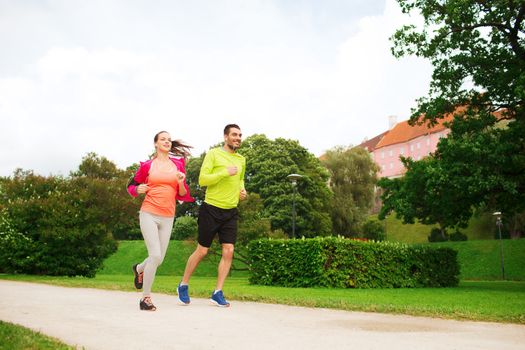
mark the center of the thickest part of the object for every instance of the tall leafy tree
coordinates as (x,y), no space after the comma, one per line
(426,193)
(269,162)
(477,48)
(353,175)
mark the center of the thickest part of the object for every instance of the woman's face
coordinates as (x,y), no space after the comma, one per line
(163,143)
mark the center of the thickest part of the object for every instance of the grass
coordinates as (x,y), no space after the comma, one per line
(18,337)
(480,260)
(498,301)
(130,252)
(480,227)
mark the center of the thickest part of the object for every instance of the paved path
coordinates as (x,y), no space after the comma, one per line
(99,319)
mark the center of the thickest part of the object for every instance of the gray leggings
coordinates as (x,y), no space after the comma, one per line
(156,231)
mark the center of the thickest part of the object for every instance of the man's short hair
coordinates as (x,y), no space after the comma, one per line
(229,126)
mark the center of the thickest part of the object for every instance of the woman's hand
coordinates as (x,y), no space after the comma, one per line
(180,177)
(142,188)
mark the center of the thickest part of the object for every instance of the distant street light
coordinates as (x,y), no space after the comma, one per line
(499,223)
(293,179)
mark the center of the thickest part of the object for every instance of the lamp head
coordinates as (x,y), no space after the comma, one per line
(293,178)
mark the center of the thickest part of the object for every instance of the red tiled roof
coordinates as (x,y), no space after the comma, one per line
(403,132)
(371,144)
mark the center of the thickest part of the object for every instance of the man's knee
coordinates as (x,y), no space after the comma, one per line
(201,251)
(227,251)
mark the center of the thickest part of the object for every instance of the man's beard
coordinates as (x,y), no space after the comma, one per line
(232,147)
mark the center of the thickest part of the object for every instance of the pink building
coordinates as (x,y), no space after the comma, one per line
(404,140)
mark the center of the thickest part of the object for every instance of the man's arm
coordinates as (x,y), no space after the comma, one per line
(206,177)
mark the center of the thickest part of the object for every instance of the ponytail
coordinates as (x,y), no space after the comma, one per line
(180,149)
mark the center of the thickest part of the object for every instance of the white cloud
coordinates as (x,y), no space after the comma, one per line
(252,63)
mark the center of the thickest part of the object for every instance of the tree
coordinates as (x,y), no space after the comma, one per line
(269,162)
(352,180)
(426,193)
(54,225)
(477,48)
(374,229)
(97,167)
(107,199)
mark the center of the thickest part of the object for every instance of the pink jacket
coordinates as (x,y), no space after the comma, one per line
(141,176)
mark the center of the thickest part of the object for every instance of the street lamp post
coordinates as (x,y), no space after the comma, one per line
(293,179)
(499,223)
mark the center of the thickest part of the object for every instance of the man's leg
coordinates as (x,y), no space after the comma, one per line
(193,261)
(225,264)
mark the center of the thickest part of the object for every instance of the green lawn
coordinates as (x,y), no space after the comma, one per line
(131,252)
(480,260)
(480,227)
(17,337)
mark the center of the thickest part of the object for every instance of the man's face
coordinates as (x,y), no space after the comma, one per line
(233,139)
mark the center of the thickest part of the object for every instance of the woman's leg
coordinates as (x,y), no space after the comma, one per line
(149,225)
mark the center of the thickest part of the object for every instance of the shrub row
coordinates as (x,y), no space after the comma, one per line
(344,263)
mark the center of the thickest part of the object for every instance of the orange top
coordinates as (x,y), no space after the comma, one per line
(163,187)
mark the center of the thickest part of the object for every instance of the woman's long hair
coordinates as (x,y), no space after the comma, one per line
(180,149)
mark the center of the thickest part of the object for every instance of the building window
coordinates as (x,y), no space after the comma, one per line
(383,155)
(402,150)
(383,167)
(411,147)
(391,165)
(390,153)
(418,145)
(428,141)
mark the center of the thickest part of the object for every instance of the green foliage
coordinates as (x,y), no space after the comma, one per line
(343,263)
(427,193)
(437,235)
(477,50)
(97,167)
(478,53)
(185,227)
(374,230)
(352,180)
(269,162)
(458,236)
(64,226)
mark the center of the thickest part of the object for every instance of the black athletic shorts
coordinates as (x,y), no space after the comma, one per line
(213,220)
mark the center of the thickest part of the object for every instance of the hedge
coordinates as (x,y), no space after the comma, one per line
(344,263)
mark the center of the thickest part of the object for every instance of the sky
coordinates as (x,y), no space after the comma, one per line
(104,76)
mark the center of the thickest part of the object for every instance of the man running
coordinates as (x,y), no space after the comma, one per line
(222,172)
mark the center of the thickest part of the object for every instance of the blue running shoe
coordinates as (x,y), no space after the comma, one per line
(218,299)
(184,297)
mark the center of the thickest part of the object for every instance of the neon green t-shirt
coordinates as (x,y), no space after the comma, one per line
(222,190)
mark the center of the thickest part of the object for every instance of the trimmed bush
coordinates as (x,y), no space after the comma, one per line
(437,236)
(374,230)
(458,236)
(346,263)
(185,227)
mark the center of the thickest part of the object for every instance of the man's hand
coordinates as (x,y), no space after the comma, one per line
(243,194)
(232,170)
